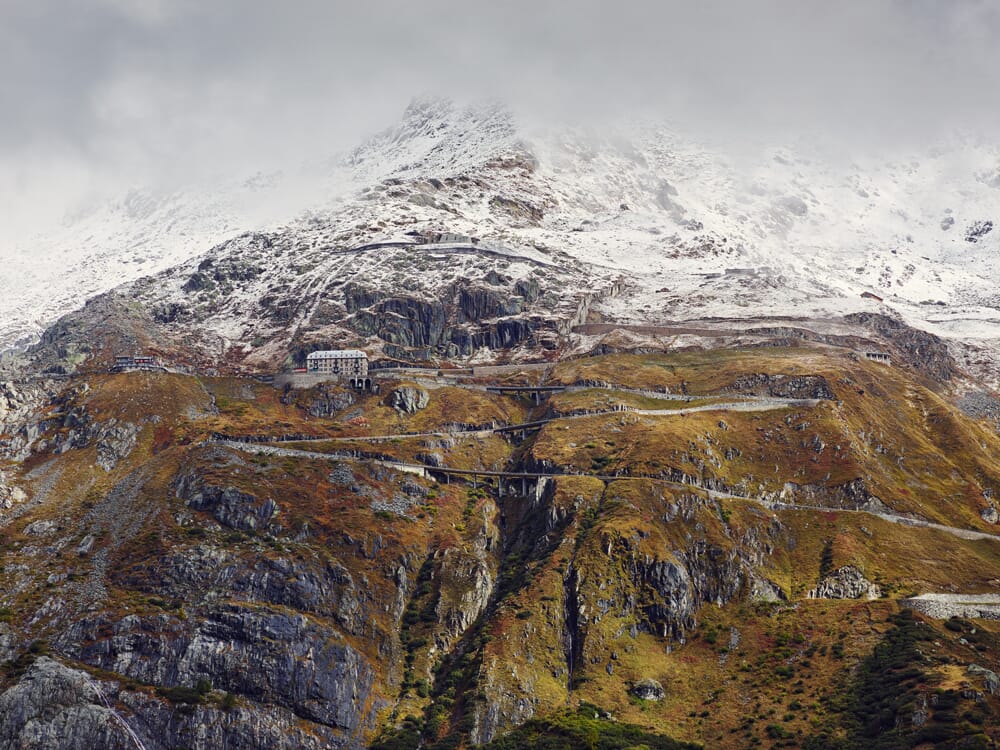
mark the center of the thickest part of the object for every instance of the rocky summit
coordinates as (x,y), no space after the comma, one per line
(613,473)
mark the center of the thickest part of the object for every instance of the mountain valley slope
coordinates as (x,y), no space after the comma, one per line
(316,594)
(710,528)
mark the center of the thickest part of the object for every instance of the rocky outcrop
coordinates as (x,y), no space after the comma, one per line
(20,404)
(228,505)
(330,401)
(269,657)
(416,328)
(53,706)
(115,441)
(8,642)
(924,351)
(675,589)
(10,494)
(783,386)
(520,212)
(846,583)
(990,679)
(409,399)
(852,494)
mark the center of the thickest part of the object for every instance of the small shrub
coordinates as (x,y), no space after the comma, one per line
(180,694)
(777,732)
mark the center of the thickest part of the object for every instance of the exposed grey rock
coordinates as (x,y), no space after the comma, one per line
(846,583)
(520,211)
(53,706)
(233,508)
(40,528)
(431,458)
(765,591)
(648,689)
(989,514)
(342,475)
(297,663)
(329,402)
(8,642)
(990,679)
(923,350)
(228,505)
(115,441)
(977,230)
(409,399)
(85,545)
(783,386)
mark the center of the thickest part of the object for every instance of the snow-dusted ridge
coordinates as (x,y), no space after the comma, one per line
(695,231)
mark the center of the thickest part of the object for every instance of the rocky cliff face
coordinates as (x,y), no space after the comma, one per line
(268,300)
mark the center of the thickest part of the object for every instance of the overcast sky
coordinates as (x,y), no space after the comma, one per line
(107,92)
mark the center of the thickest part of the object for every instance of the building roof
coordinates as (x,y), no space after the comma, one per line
(331,353)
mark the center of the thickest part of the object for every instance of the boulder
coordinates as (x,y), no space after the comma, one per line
(648,689)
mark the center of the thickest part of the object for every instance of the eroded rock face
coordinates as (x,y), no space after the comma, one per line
(923,350)
(10,495)
(53,706)
(409,399)
(846,583)
(8,641)
(268,656)
(228,505)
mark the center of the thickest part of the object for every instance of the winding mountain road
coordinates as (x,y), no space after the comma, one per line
(426,470)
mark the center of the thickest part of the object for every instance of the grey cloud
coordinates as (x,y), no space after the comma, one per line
(151,87)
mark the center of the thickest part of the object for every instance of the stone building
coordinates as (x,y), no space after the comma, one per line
(878,357)
(131,363)
(347,364)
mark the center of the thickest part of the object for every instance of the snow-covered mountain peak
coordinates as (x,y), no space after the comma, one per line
(437,137)
(697,229)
